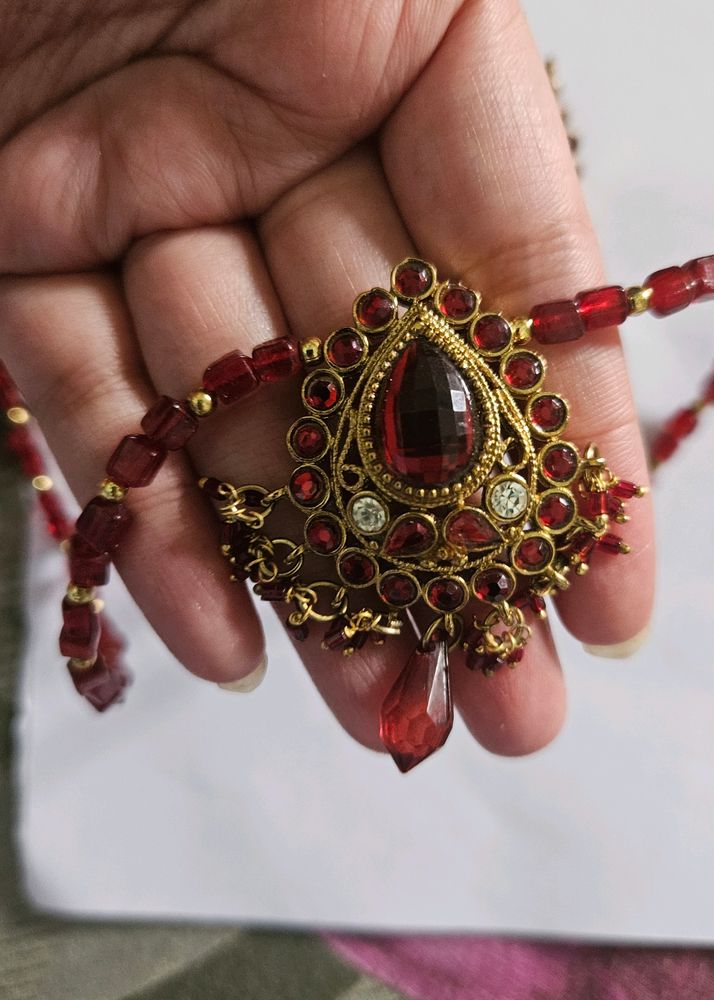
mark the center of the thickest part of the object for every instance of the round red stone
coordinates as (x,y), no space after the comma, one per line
(398,589)
(556,511)
(523,370)
(446,594)
(345,349)
(412,536)
(323,534)
(533,553)
(491,333)
(493,585)
(322,392)
(413,279)
(357,569)
(548,413)
(470,529)
(560,463)
(457,303)
(309,439)
(374,310)
(307,486)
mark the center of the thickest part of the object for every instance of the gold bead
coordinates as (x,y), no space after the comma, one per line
(80,595)
(638,299)
(18,415)
(521,326)
(112,491)
(42,483)
(77,664)
(201,403)
(310,350)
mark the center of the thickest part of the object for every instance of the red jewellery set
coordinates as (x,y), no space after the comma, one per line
(432,475)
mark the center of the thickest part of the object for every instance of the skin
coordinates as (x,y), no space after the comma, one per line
(180,180)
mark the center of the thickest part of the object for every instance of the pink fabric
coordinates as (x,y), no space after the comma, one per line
(472,968)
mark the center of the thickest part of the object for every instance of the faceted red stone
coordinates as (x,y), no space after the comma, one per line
(457,303)
(537,603)
(345,348)
(682,423)
(375,310)
(307,486)
(103,523)
(523,370)
(413,279)
(610,543)
(398,589)
(493,585)
(135,461)
(533,553)
(79,637)
(169,424)
(664,447)
(322,392)
(673,289)
(470,529)
(624,489)
(308,439)
(232,377)
(556,322)
(101,685)
(424,419)
(701,273)
(417,714)
(357,569)
(323,534)
(446,594)
(556,511)
(412,536)
(560,463)
(87,568)
(548,413)
(603,307)
(276,360)
(491,333)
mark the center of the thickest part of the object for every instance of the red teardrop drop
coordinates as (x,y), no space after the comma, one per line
(413,535)
(470,529)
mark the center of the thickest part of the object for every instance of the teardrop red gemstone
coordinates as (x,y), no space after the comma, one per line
(412,536)
(425,424)
(470,529)
(417,714)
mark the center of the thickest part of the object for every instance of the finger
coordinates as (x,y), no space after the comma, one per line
(493,197)
(87,391)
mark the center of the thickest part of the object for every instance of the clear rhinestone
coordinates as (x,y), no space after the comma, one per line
(368,514)
(508,499)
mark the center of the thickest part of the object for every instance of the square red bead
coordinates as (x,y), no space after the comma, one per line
(232,377)
(556,322)
(79,637)
(603,307)
(276,359)
(701,272)
(135,461)
(87,568)
(169,424)
(103,523)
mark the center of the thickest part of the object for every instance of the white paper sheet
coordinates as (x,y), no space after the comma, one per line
(188,802)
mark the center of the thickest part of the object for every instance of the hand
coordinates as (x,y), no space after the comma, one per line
(177,183)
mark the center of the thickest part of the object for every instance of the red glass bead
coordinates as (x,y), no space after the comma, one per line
(457,303)
(556,322)
(103,523)
(87,568)
(58,524)
(673,289)
(548,413)
(533,553)
(682,423)
(491,333)
(336,636)
(276,359)
(413,279)
(308,439)
(413,535)
(615,506)
(523,370)
(345,349)
(446,594)
(594,504)
(701,273)
(307,486)
(101,685)
(417,714)
(169,424)
(79,637)
(322,392)
(212,488)
(470,529)
(232,377)
(299,632)
(612,544)
(537,604)
(357,569)
(556,511)
(323,534)
(603,307)
(236,534)
(664,447)
(582,545)
(493,585)
(374,310)
(135,461)
(398,589)
(624,489)
(560,463)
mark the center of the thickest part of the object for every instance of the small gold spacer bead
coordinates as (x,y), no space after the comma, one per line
(201,403)
(77,664)
(625,549)
(18,415)
(642,491)
(112,491)
(310,350)
(64,546)
(42,484)
(80,595)
(521,326)
(638,299)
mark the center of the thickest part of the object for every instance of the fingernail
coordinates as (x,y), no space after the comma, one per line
(248,683)
(619,650)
